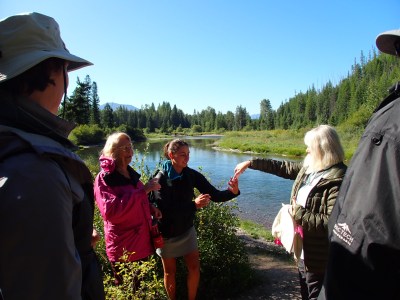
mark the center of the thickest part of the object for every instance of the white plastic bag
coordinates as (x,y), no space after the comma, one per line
(283,227)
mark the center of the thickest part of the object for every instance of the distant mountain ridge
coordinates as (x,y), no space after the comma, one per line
(255,116)
(114,106)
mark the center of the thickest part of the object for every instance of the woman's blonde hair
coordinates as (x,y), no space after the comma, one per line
(325,146)
(112,143)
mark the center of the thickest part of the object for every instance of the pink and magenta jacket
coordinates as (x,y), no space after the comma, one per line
(125,209)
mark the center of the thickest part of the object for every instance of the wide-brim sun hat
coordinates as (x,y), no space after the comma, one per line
(389,42)
(28,39)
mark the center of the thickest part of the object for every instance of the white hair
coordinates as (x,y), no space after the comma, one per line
(325,146)
(112,144)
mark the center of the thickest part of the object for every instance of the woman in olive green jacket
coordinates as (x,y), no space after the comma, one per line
(316,186)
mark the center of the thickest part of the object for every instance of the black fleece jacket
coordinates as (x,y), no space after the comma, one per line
(175,200)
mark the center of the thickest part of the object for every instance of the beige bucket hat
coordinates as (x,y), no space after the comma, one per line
(28,39)
(389,42)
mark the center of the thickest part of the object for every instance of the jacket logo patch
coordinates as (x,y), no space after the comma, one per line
(342,231)
(3,181)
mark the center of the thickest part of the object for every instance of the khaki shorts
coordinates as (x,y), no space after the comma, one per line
(179,245)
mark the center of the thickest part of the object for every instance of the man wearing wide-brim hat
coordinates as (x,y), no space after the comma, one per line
(46,196)
(364,260)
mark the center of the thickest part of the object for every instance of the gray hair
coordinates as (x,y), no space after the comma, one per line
(112,143)
(325,145)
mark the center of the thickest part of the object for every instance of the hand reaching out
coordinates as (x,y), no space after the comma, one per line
(240,168)
(233,185)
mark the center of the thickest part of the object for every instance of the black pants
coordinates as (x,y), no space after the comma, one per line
(92,280)
(310,283)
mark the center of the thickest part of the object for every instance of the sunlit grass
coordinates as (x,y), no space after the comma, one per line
(281,142)
(255,230)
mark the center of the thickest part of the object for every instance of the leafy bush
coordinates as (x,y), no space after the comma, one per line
(220,130)
(94,135)
(87,135)
(140,280)
(196,129)
(225,267)
(136,134)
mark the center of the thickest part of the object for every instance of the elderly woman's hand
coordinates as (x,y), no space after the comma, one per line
(152,185)
(240,168)
(156,213)
(95,238)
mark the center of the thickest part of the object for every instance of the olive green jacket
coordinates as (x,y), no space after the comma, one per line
(319,204)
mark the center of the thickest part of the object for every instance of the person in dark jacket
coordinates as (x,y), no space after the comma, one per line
(178,204)
(316,185)
(364,257)
(46,191)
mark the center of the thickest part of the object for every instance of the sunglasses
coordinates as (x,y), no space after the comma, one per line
(126,148)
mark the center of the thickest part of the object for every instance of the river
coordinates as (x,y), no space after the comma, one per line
(261,193)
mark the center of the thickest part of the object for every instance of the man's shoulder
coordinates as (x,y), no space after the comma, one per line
(384,122)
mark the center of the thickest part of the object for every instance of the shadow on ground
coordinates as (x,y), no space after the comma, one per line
(275,268)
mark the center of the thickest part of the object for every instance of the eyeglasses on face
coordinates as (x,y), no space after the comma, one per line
(126,148)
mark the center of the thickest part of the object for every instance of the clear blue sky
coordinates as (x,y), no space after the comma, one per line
(214,53)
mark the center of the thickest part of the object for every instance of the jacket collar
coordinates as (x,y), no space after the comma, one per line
(19,112)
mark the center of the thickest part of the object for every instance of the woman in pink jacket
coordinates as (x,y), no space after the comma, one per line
(122,200)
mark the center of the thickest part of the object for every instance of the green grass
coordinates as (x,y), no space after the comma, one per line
(282,142)
(255,230)
(288,143)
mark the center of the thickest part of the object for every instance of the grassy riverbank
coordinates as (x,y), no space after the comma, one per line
(255,230)
(288,143)
(281,142)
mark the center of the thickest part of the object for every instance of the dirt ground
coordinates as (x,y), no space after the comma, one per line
(276,269)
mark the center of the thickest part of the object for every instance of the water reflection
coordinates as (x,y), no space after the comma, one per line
(261,193)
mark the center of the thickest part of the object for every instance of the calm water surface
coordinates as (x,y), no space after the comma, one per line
(261,193)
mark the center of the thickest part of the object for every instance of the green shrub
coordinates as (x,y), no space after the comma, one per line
(87,135)
(196,129)
(225,267)
(220,130)
(149,285)
(94,135)
(136,134)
